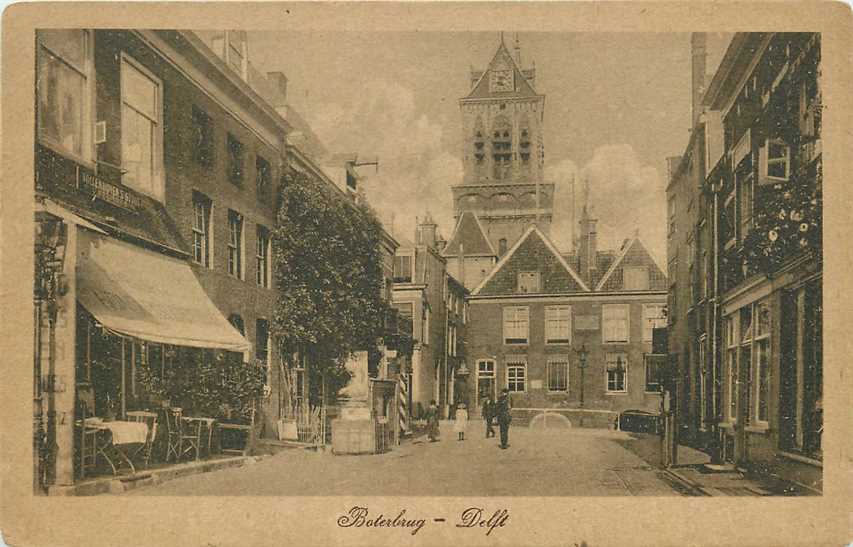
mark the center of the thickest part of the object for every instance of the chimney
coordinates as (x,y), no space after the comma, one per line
(698,51)
(588,245)
(279,83)
(427,232)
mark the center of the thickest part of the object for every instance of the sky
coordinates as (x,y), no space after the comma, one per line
(616,106)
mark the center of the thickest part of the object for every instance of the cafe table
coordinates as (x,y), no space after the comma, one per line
(122,438)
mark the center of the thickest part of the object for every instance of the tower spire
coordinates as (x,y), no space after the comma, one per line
(517,51)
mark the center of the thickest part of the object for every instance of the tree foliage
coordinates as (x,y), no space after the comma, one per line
(328,270)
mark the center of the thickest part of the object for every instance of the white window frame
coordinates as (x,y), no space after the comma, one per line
(411,257)
(516,362)
(604,320)
(550,327)
(262,258)
(157,152)
(614,355)
(730,331)
(535,279)
(763,341)
(767,161)
(557,360)
(514,311)
(87,151)
(205,232)
(237,247)
(651,322)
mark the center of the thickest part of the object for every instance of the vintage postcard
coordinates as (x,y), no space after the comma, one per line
(433,273)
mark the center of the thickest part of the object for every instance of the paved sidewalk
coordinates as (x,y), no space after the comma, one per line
(693,470)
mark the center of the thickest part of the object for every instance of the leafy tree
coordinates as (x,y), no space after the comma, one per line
(328,270)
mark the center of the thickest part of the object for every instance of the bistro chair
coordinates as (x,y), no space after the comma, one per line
(88,435)
(191,435)
(174,428)
(149,419)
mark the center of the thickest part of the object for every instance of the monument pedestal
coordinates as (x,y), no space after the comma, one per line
(354,432)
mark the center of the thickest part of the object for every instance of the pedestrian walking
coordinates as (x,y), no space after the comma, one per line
(432,422)
(460,420)
(504,418)
(489,416)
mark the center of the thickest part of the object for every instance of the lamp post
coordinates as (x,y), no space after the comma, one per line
(50,243)
(582,356)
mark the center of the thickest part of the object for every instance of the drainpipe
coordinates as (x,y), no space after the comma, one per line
(716,362)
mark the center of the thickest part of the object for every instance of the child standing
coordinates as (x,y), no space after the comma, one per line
(461,420)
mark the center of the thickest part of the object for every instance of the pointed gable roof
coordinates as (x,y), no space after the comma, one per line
(501,59)
(470,234)
(532,252)
(633,253)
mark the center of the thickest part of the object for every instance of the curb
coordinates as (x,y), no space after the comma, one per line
(125,483)
(685,482)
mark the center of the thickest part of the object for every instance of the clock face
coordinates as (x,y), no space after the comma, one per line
(501,80)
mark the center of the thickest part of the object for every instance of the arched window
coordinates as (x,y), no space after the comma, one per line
(501,146)
(524,140)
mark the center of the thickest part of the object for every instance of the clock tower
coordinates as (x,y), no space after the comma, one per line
(503,153)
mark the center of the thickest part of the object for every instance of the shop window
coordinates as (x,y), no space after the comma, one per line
(203,137)
(262,256)
(62,88)
(615,323)
(236,158)
(762,361)
(201,229)
(558,324)
(515,324)
(235,244)
(617,372)
(516,374)
(141,129)
(558,373)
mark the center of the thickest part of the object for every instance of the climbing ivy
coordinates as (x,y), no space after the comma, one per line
(328,270)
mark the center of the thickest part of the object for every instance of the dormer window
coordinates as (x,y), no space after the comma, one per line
(528,282)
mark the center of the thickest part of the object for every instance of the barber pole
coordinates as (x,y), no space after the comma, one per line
(403,406)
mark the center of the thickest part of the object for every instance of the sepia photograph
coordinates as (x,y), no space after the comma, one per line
(402,264)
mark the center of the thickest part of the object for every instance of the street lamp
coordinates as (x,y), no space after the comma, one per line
(582,355)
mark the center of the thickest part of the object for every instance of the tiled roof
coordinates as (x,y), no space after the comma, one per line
(533,252)
(633,253)
(469,233)
(522,85)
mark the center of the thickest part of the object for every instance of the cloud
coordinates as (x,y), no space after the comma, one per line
(415,170)
(625,194)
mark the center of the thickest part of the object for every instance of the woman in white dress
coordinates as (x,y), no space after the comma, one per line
(461,420)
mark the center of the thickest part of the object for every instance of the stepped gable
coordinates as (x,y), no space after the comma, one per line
(533,252)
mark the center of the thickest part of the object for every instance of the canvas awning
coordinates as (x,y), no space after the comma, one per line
(147,295)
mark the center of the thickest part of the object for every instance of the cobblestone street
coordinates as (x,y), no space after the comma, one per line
(538,463)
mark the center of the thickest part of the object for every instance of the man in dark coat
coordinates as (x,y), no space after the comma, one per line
(489,416)
(503,413)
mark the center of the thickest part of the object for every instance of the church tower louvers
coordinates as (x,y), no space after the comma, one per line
(503,151)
